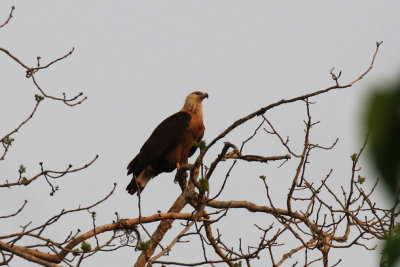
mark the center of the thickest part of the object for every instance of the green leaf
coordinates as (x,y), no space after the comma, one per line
(144,245)
(382,121)
(200,144)
(383,126)
(238,264)
(22,169)
(204,186)
(263,177)
(86,247)
(7,141)
(354,157)
(39,98)
(391,252)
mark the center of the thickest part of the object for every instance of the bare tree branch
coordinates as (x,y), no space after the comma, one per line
(9,18)
(314,216)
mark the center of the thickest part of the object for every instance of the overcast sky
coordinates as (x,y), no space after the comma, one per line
(137,60)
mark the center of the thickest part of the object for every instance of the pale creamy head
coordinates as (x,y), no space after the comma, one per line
(193,102)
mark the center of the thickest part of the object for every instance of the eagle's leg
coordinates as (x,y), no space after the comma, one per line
(183,181)
(181,176)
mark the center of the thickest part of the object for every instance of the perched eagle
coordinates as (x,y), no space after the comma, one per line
(170,145)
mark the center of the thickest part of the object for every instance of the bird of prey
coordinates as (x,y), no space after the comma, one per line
(170,145)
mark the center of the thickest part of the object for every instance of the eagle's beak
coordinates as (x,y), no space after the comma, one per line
(205,95)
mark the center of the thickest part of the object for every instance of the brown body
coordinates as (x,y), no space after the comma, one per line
(170,145)
(192,134)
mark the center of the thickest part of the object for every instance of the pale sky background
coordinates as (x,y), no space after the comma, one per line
(137,60)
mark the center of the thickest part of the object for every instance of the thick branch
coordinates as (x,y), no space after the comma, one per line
(121,224)
(23,253)
(162,229)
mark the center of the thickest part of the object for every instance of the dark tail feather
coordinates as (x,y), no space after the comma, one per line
(132,187)
(133,165)
(137,184)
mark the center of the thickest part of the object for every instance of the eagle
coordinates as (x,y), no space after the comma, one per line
(170,145)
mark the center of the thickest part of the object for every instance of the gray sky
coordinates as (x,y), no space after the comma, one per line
(137,60)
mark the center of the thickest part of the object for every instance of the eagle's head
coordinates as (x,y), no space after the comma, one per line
(193,101)
(196,97)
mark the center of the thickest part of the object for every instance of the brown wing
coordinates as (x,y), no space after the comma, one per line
(160,141)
